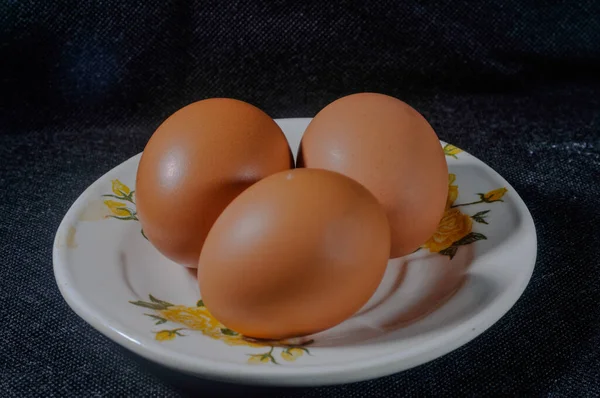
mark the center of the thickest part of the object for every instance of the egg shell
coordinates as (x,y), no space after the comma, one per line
(196,163)
(296,253)
(391,149)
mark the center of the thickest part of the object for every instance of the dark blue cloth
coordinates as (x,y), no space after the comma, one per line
(83,86)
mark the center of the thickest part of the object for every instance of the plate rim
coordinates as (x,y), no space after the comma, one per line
(315,375)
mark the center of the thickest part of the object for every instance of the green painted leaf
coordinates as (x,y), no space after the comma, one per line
(480,217)
(155,300)
(152,306)
(125,218)
(470,238)
(159,319)
(200,303)
(228,332)
(450,252)
(113,196)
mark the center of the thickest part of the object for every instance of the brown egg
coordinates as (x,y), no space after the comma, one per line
(296,253)
(196,163)
(387,146)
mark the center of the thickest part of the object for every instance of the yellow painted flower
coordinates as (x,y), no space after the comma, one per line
(451,150)
(453,227)
(291,354)
(119,188)
(117,208)
(259,358)
(199,318)
(493,196)
(165,335)
(265,357)
(452,190)
(238,340)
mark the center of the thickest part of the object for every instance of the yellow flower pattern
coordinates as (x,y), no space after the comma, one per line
(452,191)
(291,354)
(456,228)
(117,209)
(119,188)
(493,196)
(452,151)
(453,227)
(163,335)
(259,358)
(198,318)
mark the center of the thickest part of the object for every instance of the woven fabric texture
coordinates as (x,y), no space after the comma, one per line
(84,84)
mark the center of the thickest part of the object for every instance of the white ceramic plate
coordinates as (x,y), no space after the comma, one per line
(429,303)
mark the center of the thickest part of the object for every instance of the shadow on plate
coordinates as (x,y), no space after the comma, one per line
(423,294)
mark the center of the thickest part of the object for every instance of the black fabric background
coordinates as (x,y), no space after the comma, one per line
(83,85)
